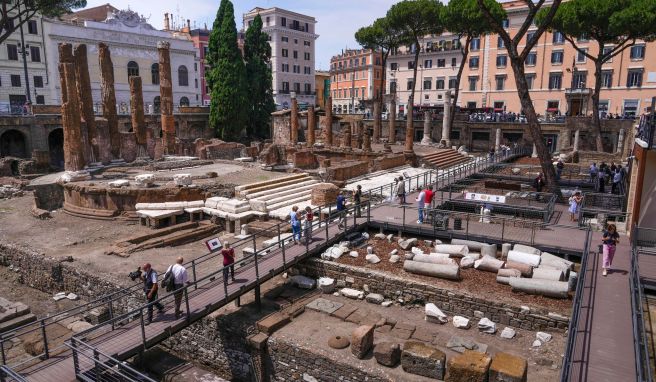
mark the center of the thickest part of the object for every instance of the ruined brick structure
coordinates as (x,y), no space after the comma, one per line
(109,98)
(294,121)
(137,111)
(85,99)
(73,147)
(311,126)
(166,96)
(328,123)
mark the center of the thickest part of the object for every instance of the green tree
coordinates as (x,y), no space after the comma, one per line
(15,13)
(227,107)
(380,37)
(616,22)
(464,18)
(257,54)
(212,56)
(414,19)
(517,57)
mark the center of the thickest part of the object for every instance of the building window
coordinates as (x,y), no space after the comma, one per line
(296,54)
(634,78)
(285,53)
(428,64)
(409,85)
(500,82)
(307,70)
(394,66)
(15,80)
(531,59)
(283,21)
(500,43)
(606,78)
(558,38)
(411,65)
(297,69)
(285,68)
(607,51)
(439,83)
(475,44)
(452,82)
(603,105)
(183,76)
(472,83)
(184,101)
(196,83)
(502,60)
(580,55)
(35,53)
(154,73)
(638,52)
(553,106)
(296,41)
(473,62)
(297,87)
(133,69)
(12,52)
(582,38)
(38,81)
(308,89)
(306,55)
(285,87)
(357,93)
(471,104)
(307,43)
(40,100)
(579,80)
(441,62)
(557,57)
(392,86)
(505,23)
(530,36)
(32,27)
(530,78)
(630,107)
(284,39)
(454,61)
(428,83)
(555,80)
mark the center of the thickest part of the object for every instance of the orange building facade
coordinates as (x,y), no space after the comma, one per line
(355,76)
(561,78)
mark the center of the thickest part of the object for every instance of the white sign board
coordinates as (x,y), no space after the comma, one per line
(485,197)
(214,244)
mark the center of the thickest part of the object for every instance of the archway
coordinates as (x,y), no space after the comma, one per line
(56,148)
(184,101)
(12,144)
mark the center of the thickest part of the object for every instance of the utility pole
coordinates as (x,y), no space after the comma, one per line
(24,54)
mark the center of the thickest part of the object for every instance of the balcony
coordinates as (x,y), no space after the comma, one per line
(580,92)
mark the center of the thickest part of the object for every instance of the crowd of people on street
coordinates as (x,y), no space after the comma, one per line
(604,175)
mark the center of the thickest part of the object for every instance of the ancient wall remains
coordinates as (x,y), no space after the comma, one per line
(388,161)
(346,170)
(305,159)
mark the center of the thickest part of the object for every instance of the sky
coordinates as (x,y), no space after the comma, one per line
(337,20)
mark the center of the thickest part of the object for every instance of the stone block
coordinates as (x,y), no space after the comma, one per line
(508,368)
(362,340)
(421,359)
(324,305)
(273,322)
(470,366)
(323,194)
(375,298)
(257,341)
(387,353)
(182,179)
(344,311)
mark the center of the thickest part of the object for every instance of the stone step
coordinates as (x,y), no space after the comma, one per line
(16,322)
(307,191)
(266,195)
(273,186)
(291,202)
(251,186)
(283,212)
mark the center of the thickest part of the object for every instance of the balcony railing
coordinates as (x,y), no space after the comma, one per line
(646,126)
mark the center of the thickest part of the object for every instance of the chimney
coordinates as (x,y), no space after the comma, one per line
(188,24)
(167,26)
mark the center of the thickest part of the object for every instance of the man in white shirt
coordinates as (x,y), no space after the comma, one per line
(421,203)
(180,278)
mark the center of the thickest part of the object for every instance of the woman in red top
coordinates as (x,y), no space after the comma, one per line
(309,217)
(228,261)
(428,198)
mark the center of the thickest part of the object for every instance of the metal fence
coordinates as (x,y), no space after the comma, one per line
(92,365)
(643,245)
(8,375)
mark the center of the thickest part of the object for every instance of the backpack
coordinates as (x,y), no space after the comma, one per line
(167,282)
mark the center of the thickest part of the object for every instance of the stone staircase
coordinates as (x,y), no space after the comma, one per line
(277,196)
(13,315)
(443,158)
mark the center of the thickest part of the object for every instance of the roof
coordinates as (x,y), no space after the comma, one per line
(98,13)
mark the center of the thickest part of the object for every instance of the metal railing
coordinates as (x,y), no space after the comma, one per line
(8,375)
(575,319)
(647,126)
(643,244)
(92,365)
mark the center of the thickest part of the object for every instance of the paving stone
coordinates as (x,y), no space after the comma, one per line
(470,366)
(421,359)
(344,311)
(362,340)
(460,344)
(508,333)
(387,353)
(405,325)
(273,322)
(358,316)
(384,329)
(324,305)
(402,334)
(422,334)
(508,368)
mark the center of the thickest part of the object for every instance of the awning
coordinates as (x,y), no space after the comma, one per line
(552,109)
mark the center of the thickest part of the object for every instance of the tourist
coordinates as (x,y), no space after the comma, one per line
(594,172)
(617,179)
(491,154)
(560,166)
(309,218)
(180,278)
(400,190)
(228,262)
(421,203)
(295,221)
(623,174)
(574,205)
(341,210)
(149,277)
(429,196)
(357,198)
(601,182)
(609,240)
(538,183)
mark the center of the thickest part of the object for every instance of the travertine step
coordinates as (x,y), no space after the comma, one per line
(266,195)
(16,322)
(289,202)
(247,189)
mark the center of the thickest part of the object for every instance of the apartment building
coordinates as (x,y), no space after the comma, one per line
(561,79)
(356,76)
(292,38)
(200,37)
(437,69)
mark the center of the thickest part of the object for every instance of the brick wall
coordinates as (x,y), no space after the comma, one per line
(388,161)
(347,169)
(451,301)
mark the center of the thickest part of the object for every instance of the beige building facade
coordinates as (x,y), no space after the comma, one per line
(356,76)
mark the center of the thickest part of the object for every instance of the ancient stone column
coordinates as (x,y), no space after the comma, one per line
(293,136)
(497,141)
(409,126)
(73,146)
(392,120)
(65,57)
(377,121)
(104,152)
(620,141)
(426,139)
(446,119)
(137,113)
(109,98)
(366,142)
(85,99)
(328,123)
(346,137)
(311,125)
(166,97)
(576,139)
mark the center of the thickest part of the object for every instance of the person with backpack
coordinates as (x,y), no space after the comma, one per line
(228,262)
(149,278)
(174,280)
(341,210)
(400,190)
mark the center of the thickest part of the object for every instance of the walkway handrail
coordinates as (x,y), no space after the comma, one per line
(640,338)
(572,329)
(8,375)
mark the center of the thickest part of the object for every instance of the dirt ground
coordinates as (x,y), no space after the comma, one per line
(475,282)
(313,329)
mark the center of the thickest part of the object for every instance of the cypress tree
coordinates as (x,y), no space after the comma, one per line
(257,54)
(228,105)
(213,44)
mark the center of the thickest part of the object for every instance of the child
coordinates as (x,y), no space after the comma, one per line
(294,219)
(610,240)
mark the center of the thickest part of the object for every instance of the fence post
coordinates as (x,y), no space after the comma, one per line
(111,313)
(76,362)
(45,339)
(193,272)
(254,244)
(96,364)
(143,329)
(369,211)
(503,228)
(403,217)
(257,270)
(187,304)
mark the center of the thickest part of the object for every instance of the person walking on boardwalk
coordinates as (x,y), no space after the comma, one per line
(560,166)
(538,183)
(400,190)
(149,278)
(228,262)
(610,240)
(180,278)
(429,196)
(357,198)
(341,210)
(594,172)
(295,221)
(574,205)
(421,203)
(309,218)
